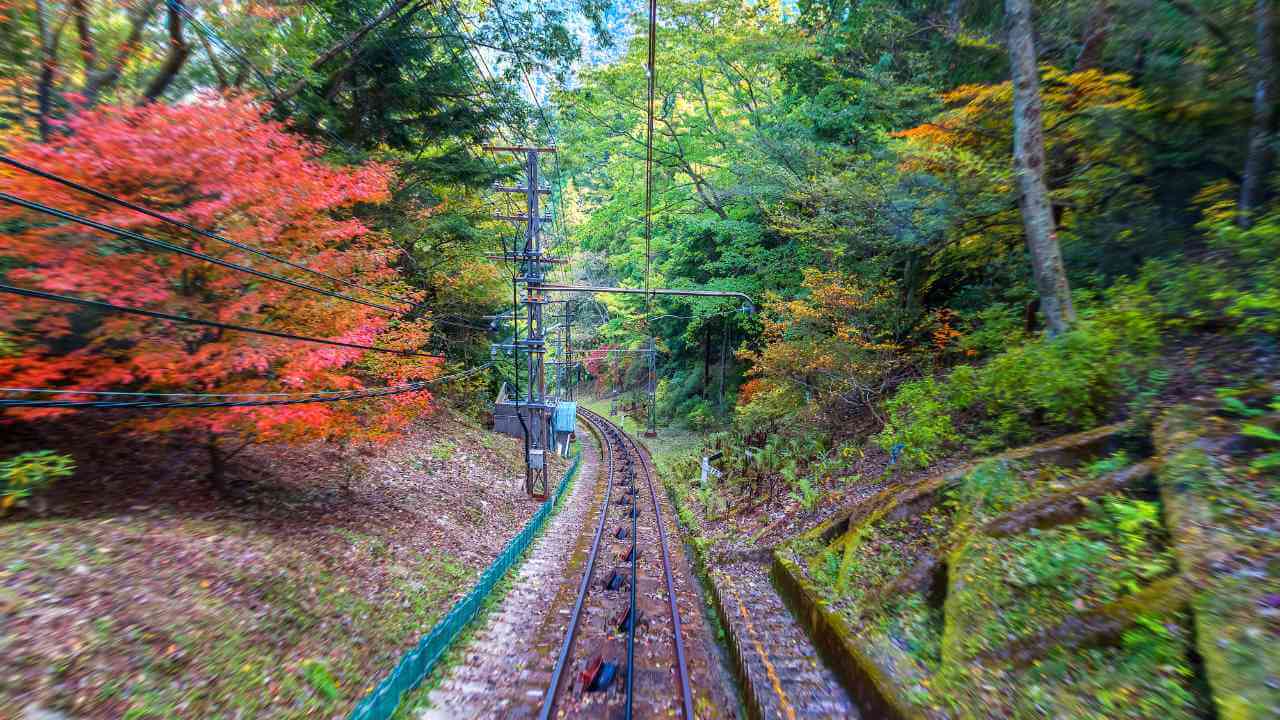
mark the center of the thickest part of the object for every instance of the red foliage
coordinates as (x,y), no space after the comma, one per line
(596,358)
(214,163)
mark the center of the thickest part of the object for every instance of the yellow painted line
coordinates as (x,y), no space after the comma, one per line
(764,657)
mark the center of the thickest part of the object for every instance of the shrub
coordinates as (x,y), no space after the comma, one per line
(805,493)
(919,422)
(768,408)
(1054,384)
(30,472)
(994,328)
(701,417)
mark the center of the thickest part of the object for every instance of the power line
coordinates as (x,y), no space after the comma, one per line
(502,19)
(289,399)
(130,235)
(287,101)
(455,33)
(650,70)
(39,294)
(187,226)
(211,34)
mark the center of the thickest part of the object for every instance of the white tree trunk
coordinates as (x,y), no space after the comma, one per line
(1029,167)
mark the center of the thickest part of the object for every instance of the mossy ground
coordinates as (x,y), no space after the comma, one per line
(942,646)
(1007,589)
(1224,500)
(1146,674)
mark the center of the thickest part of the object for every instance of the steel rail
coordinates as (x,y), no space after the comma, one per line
(615,439)
(682,668)
(632,612)
(562,661)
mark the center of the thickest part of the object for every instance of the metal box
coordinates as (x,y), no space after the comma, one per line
(537,458)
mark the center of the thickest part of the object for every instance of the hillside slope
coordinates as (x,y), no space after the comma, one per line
(140,593)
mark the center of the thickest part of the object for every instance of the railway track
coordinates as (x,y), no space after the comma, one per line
(623,651)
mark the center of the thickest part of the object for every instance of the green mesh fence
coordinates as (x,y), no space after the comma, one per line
(381,704)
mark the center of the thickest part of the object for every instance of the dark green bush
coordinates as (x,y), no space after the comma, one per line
(1057,384)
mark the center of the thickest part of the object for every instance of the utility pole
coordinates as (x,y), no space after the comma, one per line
(653,390)
(747,306)
(533,265)
(570,379)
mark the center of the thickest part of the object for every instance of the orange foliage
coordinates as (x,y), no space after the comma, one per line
(832,341)
(750,389)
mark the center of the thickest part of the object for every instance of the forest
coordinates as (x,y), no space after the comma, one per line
(1000,424)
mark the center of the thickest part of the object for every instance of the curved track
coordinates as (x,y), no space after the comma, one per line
(621,630)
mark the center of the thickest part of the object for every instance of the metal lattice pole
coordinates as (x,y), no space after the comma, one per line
(533,265)
(653,390)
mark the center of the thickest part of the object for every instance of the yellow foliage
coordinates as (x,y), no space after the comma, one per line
(981,113)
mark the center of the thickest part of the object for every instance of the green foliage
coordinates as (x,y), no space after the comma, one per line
(1054,564)
(1050,385)
(31,472)
(805,493)
(1260,432)
(317,676)
(1105,466)
(920,421)
(995,328)
(701,417)
(443,450)
(1234,405)
(769,410)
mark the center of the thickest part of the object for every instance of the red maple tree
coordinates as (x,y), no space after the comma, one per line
(215,163)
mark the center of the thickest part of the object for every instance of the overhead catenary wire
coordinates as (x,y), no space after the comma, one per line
(546,122)
(105,197)
(209,402)
(138,237)
(556,217)
(489,82)
(212,35)
(285,99)
(651,72)
(455,33)
(100,305)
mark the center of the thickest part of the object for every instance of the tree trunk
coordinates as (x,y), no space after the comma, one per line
(1029,167)
(217,465)
(348,42)
(706,360)
(98,81)
(179,50)
(48,71)
(910,285)
(1096,29)
(724,356)
(223,82)
(242,74)
(1253,183)
(88,49)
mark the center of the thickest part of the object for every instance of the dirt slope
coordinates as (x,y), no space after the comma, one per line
(140,593)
